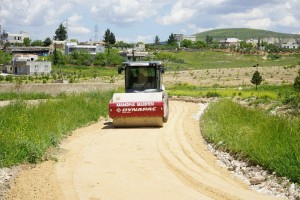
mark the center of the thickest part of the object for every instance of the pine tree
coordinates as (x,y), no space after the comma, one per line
(60,33)
(109,37)
(208,39)
(171,39)
(156,40)
(47,42)
(256,79)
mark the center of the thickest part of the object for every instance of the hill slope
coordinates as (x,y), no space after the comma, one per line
(243,34)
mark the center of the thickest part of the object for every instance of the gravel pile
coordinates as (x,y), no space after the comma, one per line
(257,178)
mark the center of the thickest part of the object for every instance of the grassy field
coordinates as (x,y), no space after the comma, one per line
(27,131)
(24,96)
(217,60)
(270,141)
(265,91)
(86,71)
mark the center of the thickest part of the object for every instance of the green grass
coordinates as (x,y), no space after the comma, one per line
(263,92)
(270,141)
(87,71)
(26,132)
(217,60)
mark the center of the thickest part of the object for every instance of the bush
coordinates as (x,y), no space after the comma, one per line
(212,94)
(9,78)
(273,56)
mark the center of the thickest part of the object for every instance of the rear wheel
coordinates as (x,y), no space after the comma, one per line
(165,119)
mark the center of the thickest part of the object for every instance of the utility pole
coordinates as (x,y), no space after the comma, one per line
(96,33)
(67,28)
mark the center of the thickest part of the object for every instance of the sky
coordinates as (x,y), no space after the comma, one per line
(141,20)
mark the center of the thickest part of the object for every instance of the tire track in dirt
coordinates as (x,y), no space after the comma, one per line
(189,166)
(101,162)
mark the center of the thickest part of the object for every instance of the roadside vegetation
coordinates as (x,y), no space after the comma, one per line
(268,140)
(271,92)
(28,131)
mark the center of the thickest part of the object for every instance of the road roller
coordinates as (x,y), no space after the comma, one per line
(145,102)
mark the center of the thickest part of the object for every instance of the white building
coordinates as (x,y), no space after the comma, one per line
(27,64)
(25,57)
(290,45)
(190,37)
(252,41)
(180,37)
(32,67)
(92,49)
(17,38)
(230,42)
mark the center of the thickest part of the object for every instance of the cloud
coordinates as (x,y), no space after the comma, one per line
(136,20)
(75,26)
(55,13)
(74,30)
(289,20)
(32,12)
(144,38)
(176,16)
(125,12)
(195,29)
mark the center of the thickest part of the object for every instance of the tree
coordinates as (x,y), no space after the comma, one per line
(256,79)
(122,44)
(5,57)
(186,43)
(47,42)
(58,57)
(37,43)
(112,38)
(109,37)
(199,45)
(208,39)
(172,40)
(297,82)
(61,33)
(27,41)
(157,40)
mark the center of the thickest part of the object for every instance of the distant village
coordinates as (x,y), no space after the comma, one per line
(26,60)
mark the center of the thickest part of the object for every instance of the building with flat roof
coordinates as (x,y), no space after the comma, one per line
(17,38)
(32,67)
(92,49)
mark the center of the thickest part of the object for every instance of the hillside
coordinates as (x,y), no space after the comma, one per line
(243,34)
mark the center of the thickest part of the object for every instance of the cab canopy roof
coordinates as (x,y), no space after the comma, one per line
(143,64)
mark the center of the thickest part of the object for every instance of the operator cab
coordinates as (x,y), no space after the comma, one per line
(142,76)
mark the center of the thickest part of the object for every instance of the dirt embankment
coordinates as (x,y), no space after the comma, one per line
(100,162)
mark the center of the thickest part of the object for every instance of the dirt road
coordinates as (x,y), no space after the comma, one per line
(100,162)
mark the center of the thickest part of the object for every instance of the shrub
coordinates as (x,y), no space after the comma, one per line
(9,78)
(212,94)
